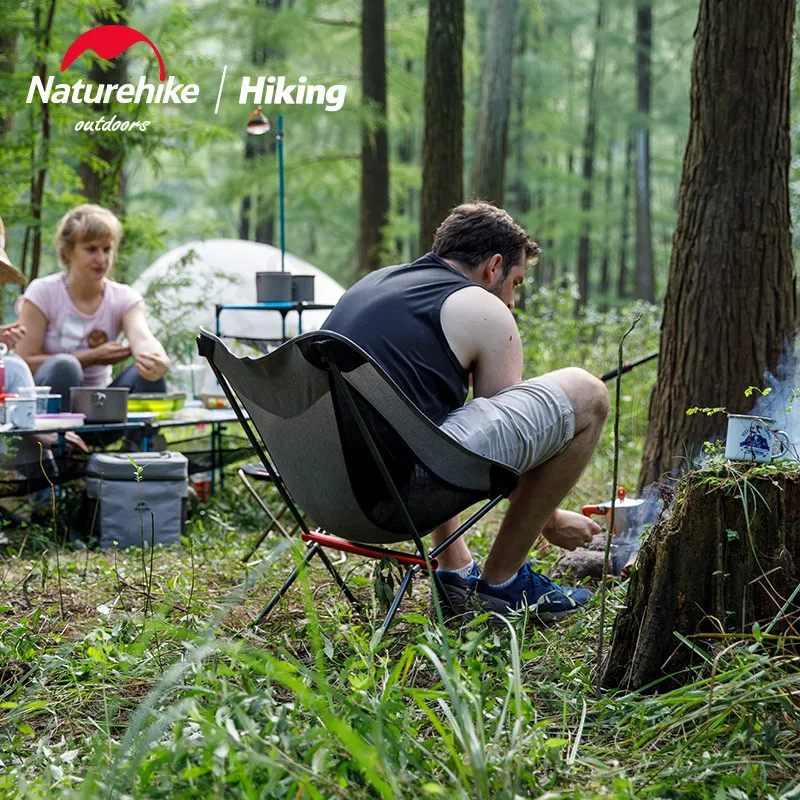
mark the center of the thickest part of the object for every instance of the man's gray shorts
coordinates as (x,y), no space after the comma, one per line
(522,426)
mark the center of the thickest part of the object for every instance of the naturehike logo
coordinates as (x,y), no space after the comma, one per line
(110,41)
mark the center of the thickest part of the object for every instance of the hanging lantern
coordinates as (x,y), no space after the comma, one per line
(257,122)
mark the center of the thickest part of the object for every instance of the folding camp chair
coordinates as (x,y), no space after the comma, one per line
(350,448)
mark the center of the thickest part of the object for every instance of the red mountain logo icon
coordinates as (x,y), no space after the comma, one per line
(108,41)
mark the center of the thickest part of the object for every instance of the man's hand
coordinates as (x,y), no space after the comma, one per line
(569,530)
(152,366)
(109,353)
(11,334)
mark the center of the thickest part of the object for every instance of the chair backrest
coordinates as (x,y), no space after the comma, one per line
(308,429)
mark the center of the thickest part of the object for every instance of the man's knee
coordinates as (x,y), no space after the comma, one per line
(587,393)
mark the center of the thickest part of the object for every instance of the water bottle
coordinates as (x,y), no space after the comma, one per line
(3,352)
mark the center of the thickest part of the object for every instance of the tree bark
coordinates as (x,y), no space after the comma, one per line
(374,139)
(730,305)
(644,282)
(442,143)
(589,142)
(716,566)
(488,177)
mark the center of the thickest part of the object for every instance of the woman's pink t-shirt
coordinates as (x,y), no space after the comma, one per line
(70,330)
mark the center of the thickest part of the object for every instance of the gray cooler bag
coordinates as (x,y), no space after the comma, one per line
(120,505)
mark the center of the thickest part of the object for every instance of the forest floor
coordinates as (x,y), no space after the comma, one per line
(136,674)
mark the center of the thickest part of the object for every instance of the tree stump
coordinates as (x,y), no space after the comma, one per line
(728,556)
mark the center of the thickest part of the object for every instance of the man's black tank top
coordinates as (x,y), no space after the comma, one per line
(394,314)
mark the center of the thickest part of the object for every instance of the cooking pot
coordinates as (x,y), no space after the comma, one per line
(100,405)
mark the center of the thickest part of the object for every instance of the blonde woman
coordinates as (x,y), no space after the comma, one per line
(73,319)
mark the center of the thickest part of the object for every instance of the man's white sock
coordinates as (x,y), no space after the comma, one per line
(504,583)
(465,572)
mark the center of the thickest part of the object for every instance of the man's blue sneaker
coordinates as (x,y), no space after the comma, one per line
(546,600)
(456,592)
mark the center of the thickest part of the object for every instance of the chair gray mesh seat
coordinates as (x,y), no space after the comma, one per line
(348,446)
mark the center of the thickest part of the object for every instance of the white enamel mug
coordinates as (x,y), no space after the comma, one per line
(21,412)
(754,439)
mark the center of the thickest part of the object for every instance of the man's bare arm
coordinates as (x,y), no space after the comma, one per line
(482,333)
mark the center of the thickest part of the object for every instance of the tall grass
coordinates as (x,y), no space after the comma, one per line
(105,700)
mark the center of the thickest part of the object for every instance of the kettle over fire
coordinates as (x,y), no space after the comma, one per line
(628,524)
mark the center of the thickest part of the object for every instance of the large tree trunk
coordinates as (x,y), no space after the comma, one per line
(589,141)
(488,178)
(717,566)
(730,305)
(374,140)
(442,143)
(644,282)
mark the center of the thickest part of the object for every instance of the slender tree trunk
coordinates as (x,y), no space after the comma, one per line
(605,280)
(43,33)
(520,187)
(404,153)
(257,213)
(730,306)
(645,274)
(8,64)
(488,177)
(374,140)
(442,143)
(102,174)
(625,227)
(589,142)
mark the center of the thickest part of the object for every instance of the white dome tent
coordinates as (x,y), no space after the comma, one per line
(189,281)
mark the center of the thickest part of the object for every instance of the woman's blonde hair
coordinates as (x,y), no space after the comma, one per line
(85,223)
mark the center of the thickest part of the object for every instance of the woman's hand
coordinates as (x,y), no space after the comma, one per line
(109,353)
(11,334)
(152,366)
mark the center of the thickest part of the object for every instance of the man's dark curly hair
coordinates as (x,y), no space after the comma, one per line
(474,232)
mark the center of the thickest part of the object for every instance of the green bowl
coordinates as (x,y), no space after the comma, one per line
(159,403)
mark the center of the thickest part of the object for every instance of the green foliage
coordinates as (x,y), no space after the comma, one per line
(553,337)
(168,304)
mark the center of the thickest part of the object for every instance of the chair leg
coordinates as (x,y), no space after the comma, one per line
(340,581)
(312,550)
(274,520)
(270,526)
(402,589)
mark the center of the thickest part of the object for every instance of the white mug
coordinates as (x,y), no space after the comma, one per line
(754,439)
(21,412)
